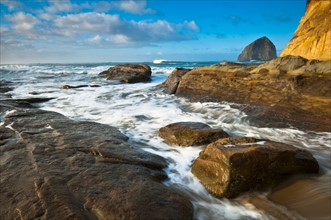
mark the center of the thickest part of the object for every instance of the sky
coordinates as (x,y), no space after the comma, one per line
(76,31)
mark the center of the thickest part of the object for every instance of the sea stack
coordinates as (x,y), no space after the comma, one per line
(312,39)
(262,50)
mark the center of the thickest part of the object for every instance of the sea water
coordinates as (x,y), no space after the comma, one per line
(140,110)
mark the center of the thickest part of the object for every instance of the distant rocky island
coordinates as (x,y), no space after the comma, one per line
(261,49)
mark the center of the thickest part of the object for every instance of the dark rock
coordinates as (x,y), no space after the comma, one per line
(172,81)
(79,86)
(262,49)
(56,168)
(190,133)
(230,171)
(129,73)
(5,87)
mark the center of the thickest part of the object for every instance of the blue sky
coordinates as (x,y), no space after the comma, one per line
(57,31)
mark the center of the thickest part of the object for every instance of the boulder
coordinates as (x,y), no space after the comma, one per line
(172,81)
(190,133)
(129,73)
(312,39)
(56,168)
(229,171)
(261,49)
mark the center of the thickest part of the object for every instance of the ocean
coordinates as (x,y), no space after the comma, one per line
(140,110)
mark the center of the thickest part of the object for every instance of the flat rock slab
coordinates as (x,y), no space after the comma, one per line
(284,92)
(129,73)
(190,133)
(229,171)
(56,168)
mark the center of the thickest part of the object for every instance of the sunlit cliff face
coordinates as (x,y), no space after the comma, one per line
(312,39)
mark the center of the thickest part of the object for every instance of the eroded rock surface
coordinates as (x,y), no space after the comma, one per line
(129,73)
(286,91)
(312,39)
(190,133)
(228,171)
(56,168)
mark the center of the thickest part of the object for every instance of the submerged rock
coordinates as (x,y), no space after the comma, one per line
(262,50)
(230,171)
(172,81)
(56,168)
(129,73)
(190,133)
(312,39)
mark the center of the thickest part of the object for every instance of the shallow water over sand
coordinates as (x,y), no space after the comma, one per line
(139,110)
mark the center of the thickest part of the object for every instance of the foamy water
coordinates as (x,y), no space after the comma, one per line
(140,110)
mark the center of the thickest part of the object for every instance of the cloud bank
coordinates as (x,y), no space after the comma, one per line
(97,24)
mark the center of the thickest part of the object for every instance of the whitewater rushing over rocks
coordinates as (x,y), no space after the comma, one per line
(140,110)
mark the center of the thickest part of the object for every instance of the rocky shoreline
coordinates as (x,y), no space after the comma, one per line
(284,92)
(56,168)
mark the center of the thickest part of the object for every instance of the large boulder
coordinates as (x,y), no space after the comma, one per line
(171,84)
(129,73)
(312,39)
(190,133)
(228,171)
(262,50)
(56,168)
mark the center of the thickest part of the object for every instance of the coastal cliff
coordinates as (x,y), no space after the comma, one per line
(312,39)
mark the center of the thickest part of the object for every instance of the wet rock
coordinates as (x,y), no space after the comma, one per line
(230,171)
(287,91)
(262,50)
(129,73)
(56,168)
(5,87)
(312,39)
(190,133)
(234,141)
(172,81)
(77,87)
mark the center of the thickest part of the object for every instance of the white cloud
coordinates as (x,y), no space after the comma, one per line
(101,6)
(95,39)
(47,16)
(61,6)
(86,22)
(22,21)
(134,6)
(191,25)
(119,39)
(11,4)
(121,31)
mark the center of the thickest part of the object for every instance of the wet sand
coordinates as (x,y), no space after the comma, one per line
(309,197)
